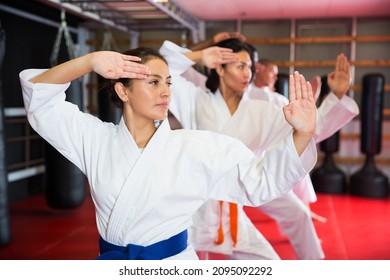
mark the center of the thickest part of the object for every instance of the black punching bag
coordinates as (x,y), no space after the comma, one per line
(281,85)
(5,229)
(65,183)
(369,181)
(328,178)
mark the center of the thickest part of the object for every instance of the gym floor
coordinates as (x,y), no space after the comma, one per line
(356,229)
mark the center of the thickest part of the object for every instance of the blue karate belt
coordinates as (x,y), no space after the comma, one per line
(157,251)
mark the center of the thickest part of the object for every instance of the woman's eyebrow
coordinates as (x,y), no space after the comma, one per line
(154,75)
(158,76)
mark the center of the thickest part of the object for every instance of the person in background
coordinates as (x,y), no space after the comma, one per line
(293,217)
(338,81)
(221,108)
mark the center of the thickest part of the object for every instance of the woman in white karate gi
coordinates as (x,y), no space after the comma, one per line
(255,123)
(263,88)
(291,211)
(146,180)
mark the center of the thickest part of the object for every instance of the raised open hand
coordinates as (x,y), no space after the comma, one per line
(301,112)
(113,65)
(339,80)
(214,56)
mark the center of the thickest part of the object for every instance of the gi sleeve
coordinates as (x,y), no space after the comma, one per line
(252,180)
(333,114)
(59,122)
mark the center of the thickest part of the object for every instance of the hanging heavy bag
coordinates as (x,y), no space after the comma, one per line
(370,181)
(5,229)
(328,178)
(65,183)
(281,85)
(108,112)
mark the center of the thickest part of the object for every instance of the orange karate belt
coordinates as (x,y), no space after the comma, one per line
(233,211)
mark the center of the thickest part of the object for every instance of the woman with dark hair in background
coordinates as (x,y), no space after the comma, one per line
(219,106)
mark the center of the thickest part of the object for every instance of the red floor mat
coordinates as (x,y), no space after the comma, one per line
(357,229)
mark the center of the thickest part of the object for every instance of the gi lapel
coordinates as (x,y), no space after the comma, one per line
(128,195)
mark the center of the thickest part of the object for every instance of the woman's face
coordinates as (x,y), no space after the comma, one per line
(149,98)
(236,76)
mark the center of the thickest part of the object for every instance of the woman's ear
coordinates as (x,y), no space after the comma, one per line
(219,69)
(121,91)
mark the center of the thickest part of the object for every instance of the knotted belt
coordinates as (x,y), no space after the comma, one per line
(233,211)
(157,251)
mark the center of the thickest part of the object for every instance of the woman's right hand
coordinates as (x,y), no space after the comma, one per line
(113,65)
(301,112)
(214,56)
